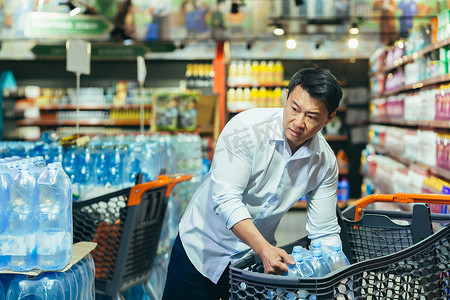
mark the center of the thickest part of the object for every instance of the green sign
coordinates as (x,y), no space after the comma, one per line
(161,46)
(49,50)
(60,25)
(119,51)
(98,51)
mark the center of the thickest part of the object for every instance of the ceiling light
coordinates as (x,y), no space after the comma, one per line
(75,11)
(354,29)
(353,43)
(278,30)
(291,44)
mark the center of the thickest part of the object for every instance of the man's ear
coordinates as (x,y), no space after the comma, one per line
(330,117)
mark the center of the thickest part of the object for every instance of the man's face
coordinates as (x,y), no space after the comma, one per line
(303,117)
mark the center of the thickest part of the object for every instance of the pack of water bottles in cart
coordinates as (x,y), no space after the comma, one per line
(317,262)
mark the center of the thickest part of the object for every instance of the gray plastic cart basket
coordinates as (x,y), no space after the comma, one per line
(388,260)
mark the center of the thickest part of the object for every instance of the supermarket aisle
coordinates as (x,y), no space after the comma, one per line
(292,227)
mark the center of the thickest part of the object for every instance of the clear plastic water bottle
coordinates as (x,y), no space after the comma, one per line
(44,286)
(5,212)
(296,252)
(81,275)
(55,237)
(316,244)
(64,279)
(101,168)
(336,258)
(303,269)
(90,276)
(73,284)
(116,167)
(320,266)
(2,291)
(54,153)
(23,224)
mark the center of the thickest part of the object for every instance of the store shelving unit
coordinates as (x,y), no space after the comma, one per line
(441,126)
(90,122)
(51,73)
(437,171)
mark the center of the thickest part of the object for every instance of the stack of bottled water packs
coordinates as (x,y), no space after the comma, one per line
(35,215)
(74,284)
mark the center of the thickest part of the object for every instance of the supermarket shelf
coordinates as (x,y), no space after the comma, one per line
(90,122)
(434,124)
(266,85)
(437,171)
(92,107)
(230,111)
(409,59)
(236,111)
(205,131)
(301,205)
(102,122)
(384,186)
(427,82)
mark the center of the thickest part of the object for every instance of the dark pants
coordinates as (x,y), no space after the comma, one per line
(185,282)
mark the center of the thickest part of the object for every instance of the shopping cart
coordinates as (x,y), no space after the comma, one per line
(126,226)
(394,255)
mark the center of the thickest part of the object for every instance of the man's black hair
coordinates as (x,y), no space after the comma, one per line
(319,84)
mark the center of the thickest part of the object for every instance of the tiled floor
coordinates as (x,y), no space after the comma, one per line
(291,228)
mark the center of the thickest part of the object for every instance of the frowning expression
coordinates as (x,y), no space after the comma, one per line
(303,117)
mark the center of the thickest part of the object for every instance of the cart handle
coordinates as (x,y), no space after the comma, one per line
(399,198)
(163,180)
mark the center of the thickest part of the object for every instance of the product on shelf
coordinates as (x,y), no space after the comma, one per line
(255,73)
(415,145)
(244,98)
(187,111)
(107,163)
(442,22)
(199,76)
(166,111)
(342,161)
(343,190)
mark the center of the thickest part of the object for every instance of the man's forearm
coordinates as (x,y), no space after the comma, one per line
(247,232)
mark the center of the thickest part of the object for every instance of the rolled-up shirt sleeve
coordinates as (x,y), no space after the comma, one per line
(230,172)
(321,222)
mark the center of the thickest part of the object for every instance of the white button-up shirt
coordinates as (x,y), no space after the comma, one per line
(254,175)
